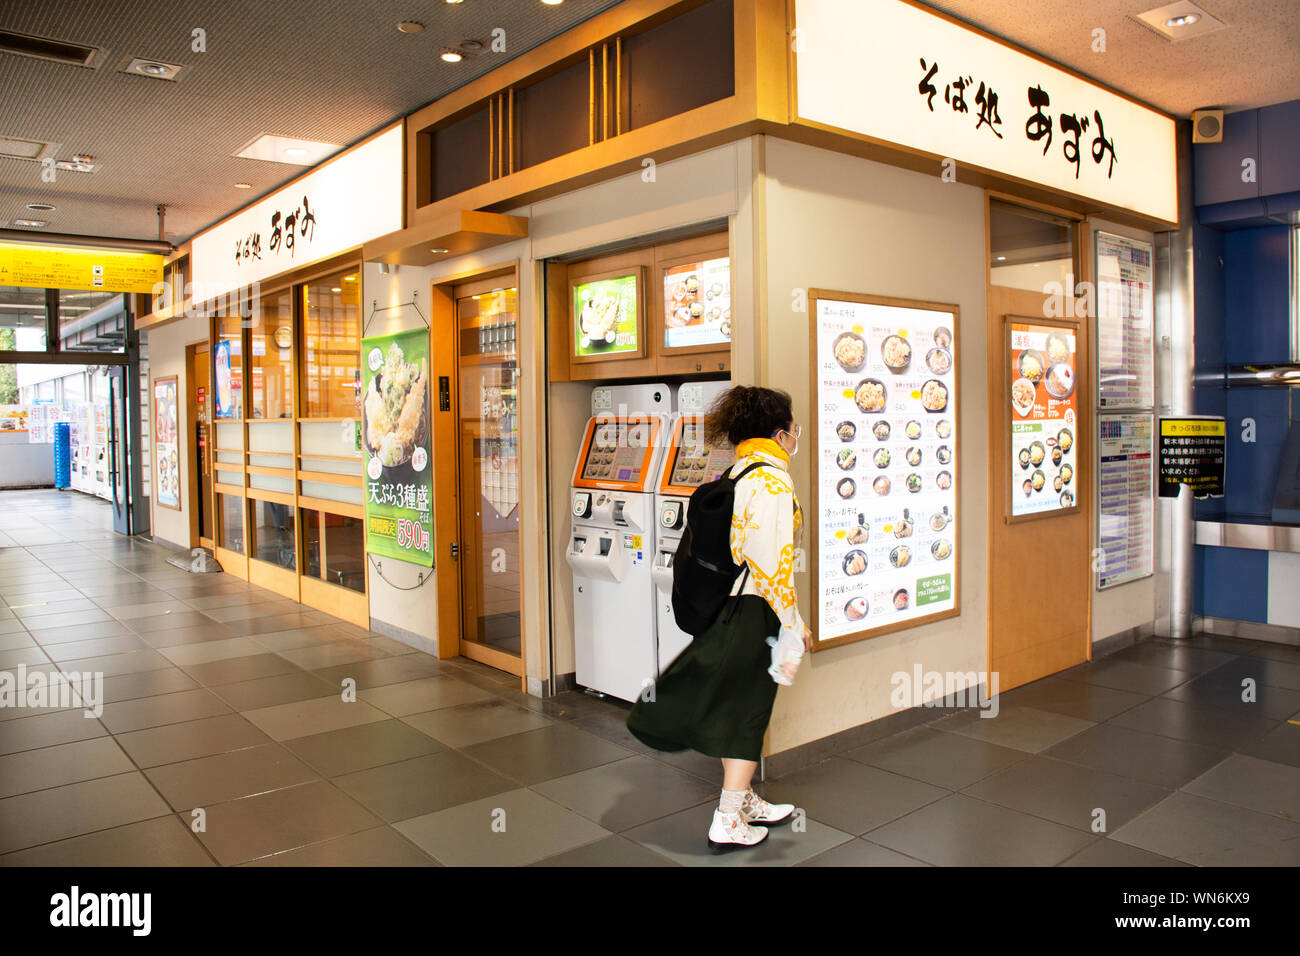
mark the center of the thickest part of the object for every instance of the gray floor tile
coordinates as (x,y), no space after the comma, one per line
(418,696)
(17,640)
(163,841)
(132,662)
(244,610)
(206,781)
(1016,726)
(384,670)
(411,788)
(708,769)
(257,826)
(1162,761)
(146,684)
(99,647)
(301,718)
(1127,675)
(333,654)
(545,754)
(961,831)
(613,727)
(628,792)
(234,670)
(56,814)
(48,730)
(198,634)
(80,632)
(195,738)
(270,691)
(61,764)
(1223,690)
(1280,745)
(613,851)
(511,828)
(1227,730)
(1067,793)
(861,853)
(298,637)
(1209,833)
(187,655)
(849,795)
(476,722)
(381,846)
(1262,785)
(26,656)
(1288,653)
(1111,853)
(175,708)
(168,622)
(944,760)
(683,838)
(126,611)
(1073,698)
(363,746)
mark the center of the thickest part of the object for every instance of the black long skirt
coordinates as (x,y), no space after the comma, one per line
(716,697)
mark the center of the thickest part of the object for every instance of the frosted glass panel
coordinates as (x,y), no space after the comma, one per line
(271,483)
(230,478)
(230,457)
(332,467)
(270,436)
(330,438)
(230,435)
(323,489)
(271,461)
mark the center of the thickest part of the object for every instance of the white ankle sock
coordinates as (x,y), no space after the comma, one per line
(731,801)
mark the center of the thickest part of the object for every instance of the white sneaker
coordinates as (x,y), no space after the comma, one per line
(757,810)
(730,831)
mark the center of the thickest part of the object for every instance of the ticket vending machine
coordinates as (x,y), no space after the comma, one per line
(688,463)
(612,538)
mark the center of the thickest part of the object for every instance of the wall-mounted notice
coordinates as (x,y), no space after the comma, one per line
(697,303)
(1193,452)
(166,444)
(1125,483)
(1044,419)
(885,488)
(1125,319)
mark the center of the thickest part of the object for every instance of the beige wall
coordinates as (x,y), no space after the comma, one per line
(842,223)
(167,357)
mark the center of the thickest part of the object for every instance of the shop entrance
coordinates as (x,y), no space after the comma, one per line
(199,444)
(487,468)
(1040,447)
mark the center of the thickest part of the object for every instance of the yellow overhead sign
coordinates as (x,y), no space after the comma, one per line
(65,267)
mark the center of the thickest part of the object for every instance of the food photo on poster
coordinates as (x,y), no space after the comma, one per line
(697,303)
(166,445)
(1044,418)
(606,316)
(886,471)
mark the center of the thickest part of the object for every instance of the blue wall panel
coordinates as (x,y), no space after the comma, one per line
(1234,584)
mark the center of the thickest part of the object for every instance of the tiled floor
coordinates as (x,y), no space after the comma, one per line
(225,740)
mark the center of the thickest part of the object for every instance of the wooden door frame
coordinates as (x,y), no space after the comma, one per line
(194,483)
(444,360)
(1085,386)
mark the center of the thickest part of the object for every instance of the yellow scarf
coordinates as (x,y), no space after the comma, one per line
(764,446)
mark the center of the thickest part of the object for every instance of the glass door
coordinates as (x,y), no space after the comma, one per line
(201,401)
(488,448)
(118,454)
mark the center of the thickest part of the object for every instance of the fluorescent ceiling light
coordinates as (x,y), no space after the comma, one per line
(243,185)
(287,149)
(34,223)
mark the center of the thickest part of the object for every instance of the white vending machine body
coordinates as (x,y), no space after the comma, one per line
(611,548)
(688,463)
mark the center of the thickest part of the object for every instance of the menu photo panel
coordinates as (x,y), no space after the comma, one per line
(1042,362)
(696,303)
(886,473)
(607,316)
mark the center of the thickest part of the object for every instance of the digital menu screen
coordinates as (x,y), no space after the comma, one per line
(697,303)
(691,462)
(886,468)
(617,452)
(1044,419)
(605,317)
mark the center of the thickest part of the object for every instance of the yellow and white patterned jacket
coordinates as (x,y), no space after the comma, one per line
(764,524)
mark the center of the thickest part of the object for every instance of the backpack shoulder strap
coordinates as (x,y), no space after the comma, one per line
(748,469)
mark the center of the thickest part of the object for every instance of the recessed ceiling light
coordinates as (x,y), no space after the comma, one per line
(455,1)
(154,69)
(451,56)
(34,223)
(411,26)
(40,207)
(471,47)
(77,164)
(1002,258)
(552,3)
(287,149)
(1182,20)
(438,250)
(349,278)
(243,185)
(336,289)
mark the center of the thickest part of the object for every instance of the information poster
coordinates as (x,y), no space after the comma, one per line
(1193,452)
(1125,481)
(167,480)
(1125,322)
(697,304)
(885,395)
(395,439)
(1044,419)
(606,318)
(228,390)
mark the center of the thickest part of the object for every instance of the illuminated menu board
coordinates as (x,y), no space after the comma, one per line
(886,469)
(697,303)
(607,317)
(1044,419)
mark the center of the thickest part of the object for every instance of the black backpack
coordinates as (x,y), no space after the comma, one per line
(703,572)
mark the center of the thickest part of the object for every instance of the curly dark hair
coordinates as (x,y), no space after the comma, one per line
(747,412)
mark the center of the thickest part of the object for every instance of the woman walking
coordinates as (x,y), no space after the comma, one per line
(716,697)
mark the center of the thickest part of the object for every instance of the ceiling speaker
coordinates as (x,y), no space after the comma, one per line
(1207,126)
